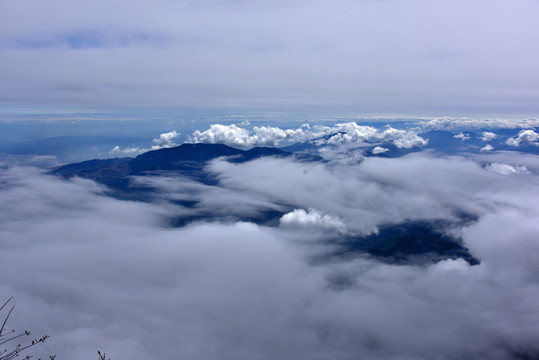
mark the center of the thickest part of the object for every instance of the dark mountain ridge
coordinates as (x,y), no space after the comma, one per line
(187,159)
(183,157)
(397,243)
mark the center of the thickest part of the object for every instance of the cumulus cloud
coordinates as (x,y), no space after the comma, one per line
(165,140)
(100,273)
(525,138)
(462,136)
(313,219)
(379,150)
(320,135)
(488,136)
(224,134)
(487,147)
(349,132)
(127,151)
(259,136)
(403,138)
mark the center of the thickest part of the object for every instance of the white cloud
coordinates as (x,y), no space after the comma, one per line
(413,187)
(224,134)
(99,273)
(165,140)
(349,132)
(379,150)
(312,219)
(272,136)
(524,137)
(40,161)
(127,151)
(488,136)
(448,123)
(338,134)
(530,161)
(403,138)
(487,147)
(462,136)
(506,169)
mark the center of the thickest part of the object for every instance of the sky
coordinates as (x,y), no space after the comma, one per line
(413,57)
(361,81)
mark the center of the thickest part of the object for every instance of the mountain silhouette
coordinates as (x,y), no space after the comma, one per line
(187,159)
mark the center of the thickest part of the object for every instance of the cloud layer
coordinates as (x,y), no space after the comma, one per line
(377,57)
(99,273)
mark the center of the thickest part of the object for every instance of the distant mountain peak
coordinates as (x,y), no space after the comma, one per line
(189,159)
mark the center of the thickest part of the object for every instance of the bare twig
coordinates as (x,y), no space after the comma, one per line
(6,354)
(7,317)
(102,356)
(8,300)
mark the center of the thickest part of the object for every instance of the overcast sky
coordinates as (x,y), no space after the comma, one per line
(413,57)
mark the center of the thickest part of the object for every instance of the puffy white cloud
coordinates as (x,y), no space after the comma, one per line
(165,140)
(233,135)
(403,138)
(127,151)
(524,137)
(462,136)
(312,219)
(488,136)
(223,134)
(272,136)
(349,132)
(487,147)
(338,134)
(379,150)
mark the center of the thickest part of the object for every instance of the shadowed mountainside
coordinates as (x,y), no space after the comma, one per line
(397,243)
(187,159)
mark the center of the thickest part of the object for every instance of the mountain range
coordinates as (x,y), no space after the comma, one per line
(396,243)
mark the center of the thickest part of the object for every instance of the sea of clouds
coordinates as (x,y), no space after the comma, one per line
(96,272)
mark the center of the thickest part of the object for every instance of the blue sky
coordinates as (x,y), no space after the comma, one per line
(371,57)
